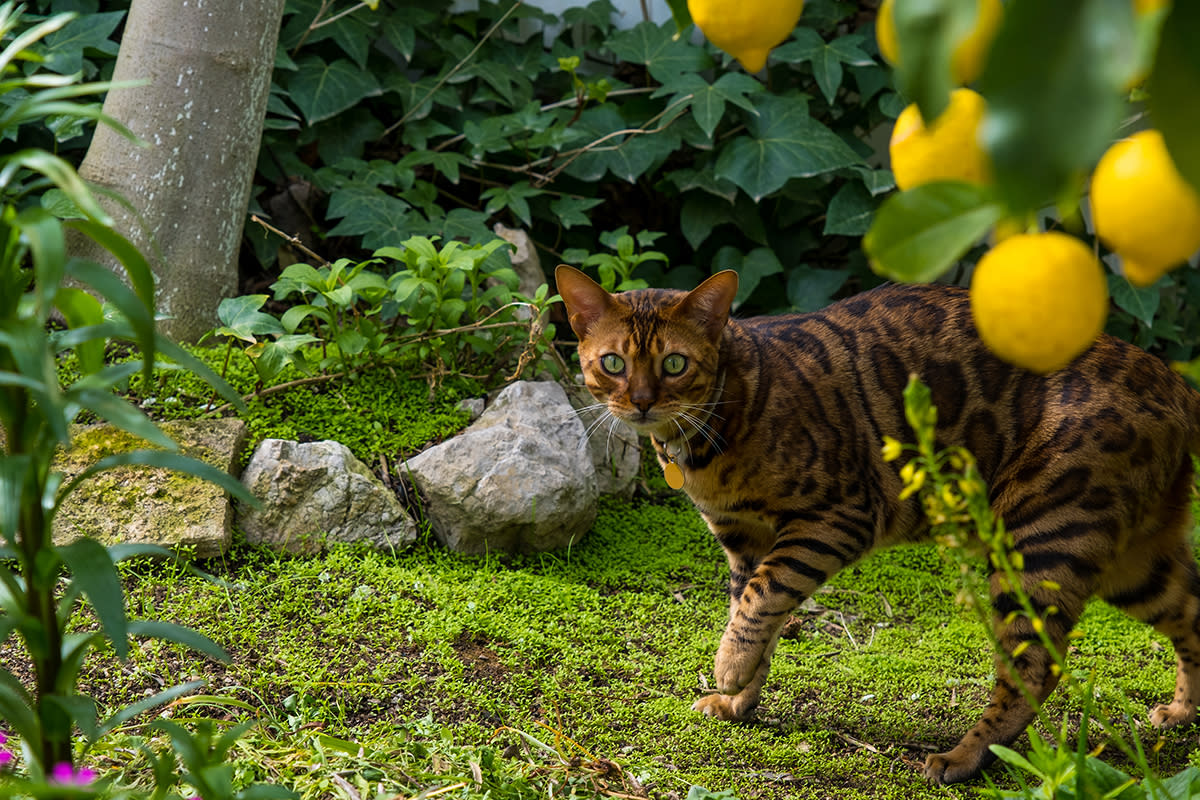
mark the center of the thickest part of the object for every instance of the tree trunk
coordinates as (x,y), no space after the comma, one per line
(208,65)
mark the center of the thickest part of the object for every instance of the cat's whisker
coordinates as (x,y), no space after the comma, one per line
(704,429)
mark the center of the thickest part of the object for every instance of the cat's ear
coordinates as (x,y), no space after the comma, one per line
(586,300)
(710,302)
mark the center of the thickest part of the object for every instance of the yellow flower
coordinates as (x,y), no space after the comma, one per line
(891,448)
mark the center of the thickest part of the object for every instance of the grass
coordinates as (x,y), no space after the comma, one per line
(425,673)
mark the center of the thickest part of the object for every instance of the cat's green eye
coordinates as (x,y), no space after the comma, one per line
(674,364)
(613,364)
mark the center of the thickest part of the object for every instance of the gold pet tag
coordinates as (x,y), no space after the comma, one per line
(673,474)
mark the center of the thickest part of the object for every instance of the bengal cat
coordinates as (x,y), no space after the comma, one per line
(774,426)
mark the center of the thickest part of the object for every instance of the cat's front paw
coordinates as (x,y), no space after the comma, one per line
(958,765)
(730,708)
(1176,713)
(736,665)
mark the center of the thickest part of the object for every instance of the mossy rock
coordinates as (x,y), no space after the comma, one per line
(148,504)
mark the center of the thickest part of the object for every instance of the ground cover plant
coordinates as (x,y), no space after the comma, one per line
(427,671)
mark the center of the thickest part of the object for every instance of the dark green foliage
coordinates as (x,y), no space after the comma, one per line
(420,122)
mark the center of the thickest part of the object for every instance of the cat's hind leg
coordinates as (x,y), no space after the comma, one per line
(1159,584)
(1030,674)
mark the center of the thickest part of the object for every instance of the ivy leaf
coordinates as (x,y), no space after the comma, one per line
(826,58)
(811,289)
(850,211)
(570,209)
(1172,86)
(700,215)
(918,234)
(626,156)
(371,213)
(65,47)
(323,90)
(784,142)
(447,163)
(688,178)
(665,54)
(514,198)
(758,264)
(240,318)
(708,100)
(1045,127)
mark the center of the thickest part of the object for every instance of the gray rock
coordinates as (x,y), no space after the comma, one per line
(519,479)
(319,492)
(148,504)
(614,446)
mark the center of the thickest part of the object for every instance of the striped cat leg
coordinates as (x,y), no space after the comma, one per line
(1009,711)
(798,563)
(1167,596)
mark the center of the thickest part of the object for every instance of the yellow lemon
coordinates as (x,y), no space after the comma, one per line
(1142,208)
(1039,300)
(1146,6)
(946,150)
(746,29)
(966,62)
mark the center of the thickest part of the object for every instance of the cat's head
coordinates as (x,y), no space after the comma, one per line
(652,355)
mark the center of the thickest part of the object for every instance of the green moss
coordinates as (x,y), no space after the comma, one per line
(374,413)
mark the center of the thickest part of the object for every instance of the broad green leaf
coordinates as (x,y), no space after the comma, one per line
(681,15)
(65,47)
(919,234)
(44,235)
(1140,301)
(14,473)
(371,213)
(850,211)
(926,34)
(1047,125)
(708,100)
(757,264)
(80,310)
(170,632)
(811,289)
(447,163)
(1173,85)
(16,708)
(322,90)
(92,569)
(570,209)
(784,142)
(660,49)
(241,318)
(826,58)
(688,178)
(700,215)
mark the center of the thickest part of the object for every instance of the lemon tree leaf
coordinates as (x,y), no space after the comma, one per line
(919,234)
(784,142)
(926,31)
(1173,107)
(1047,125)
(1140,301)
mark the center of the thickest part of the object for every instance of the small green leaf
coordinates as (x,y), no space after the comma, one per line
(919,234)
(759,263)
(571,209)
(170,632)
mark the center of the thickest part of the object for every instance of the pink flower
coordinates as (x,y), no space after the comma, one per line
(5,756)
(66,775)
